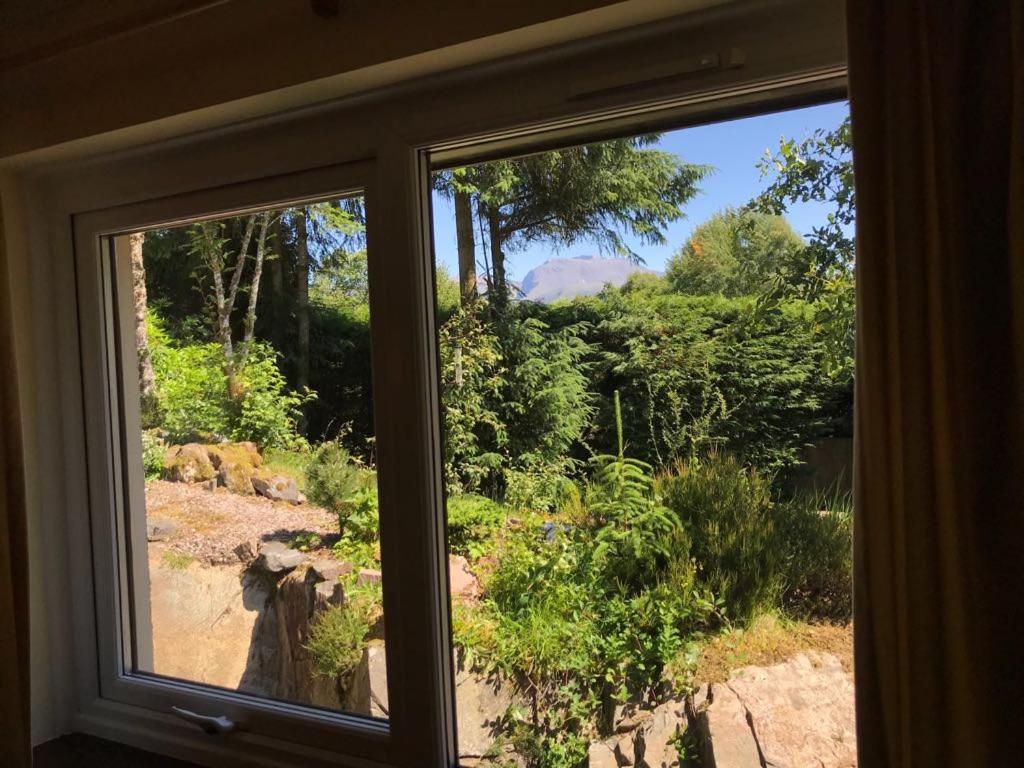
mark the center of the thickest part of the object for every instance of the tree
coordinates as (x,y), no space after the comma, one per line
(819,169)
(209,243)
(320,231)
(147,381)
(599,193)
(301,299)
(736,253)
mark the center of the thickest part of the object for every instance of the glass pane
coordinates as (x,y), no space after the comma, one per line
(647,372)
(260,500)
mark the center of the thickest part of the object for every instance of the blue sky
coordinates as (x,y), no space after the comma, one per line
(733,148)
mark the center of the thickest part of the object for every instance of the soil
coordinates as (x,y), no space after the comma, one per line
(212,525)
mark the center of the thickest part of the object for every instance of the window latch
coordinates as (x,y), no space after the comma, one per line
(215,726)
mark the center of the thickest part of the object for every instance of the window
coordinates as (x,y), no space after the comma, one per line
(647,388)
(247,583)
(396,387)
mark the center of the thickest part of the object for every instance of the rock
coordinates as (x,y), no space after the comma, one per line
(210,485)
(461,580)
(254,454)
(802,711)
(480,705)
(247,552)
(329,593)
(376,662)
(294,608)
(277,488)
(627,717)
(327,569)
(277,557)
(158,529)
(237,478)
(699,700)
(245,454)
(614,752)
(188,464)
(368,576)
(602,755)
(728,741)
(205,627)
(655,740)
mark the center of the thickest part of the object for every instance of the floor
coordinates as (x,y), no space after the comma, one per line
(79,751)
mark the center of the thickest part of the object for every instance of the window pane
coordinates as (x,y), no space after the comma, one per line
(262,568)
(646,375)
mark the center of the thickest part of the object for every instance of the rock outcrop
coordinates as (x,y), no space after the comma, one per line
(238,467)
(189,463)
(789,715)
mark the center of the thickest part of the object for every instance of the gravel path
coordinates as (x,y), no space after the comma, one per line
(221,528)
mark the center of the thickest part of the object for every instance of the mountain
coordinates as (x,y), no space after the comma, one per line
(579,276)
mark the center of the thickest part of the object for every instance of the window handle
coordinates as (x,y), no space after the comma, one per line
(215,726)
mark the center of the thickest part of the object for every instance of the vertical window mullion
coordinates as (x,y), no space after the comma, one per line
(408,453)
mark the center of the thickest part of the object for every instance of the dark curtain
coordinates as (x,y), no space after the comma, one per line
(15,738)
(937,103)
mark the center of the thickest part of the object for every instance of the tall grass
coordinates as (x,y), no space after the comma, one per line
(815,534)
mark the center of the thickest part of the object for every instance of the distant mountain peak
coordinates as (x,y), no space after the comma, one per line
(583,275)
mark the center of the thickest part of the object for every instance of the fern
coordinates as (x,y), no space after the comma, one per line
(636,535)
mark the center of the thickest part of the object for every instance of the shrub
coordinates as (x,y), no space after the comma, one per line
(516,400)
(540,486)
(727,511)
(338,636)
(815,541)
(195,403)
(153,449)
(266,412)
(193,392)
(332,478)
(473,522)
(361,521)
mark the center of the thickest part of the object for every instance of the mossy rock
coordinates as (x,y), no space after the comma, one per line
(242,454)
(237,478)
(188,463)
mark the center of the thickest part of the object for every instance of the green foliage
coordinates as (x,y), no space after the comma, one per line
(338,635)
(266,412)
(473,522)
(636,536)
(192,389)
(471,373)
(361,521)
(153,449)
(815,538)
(695,375)
(585,614)
(737,253)
(177,561)
(544,395)
(728,514)
(288,462)
(819,169)
(516,400)
(306,541)
(332,478)
(195,402)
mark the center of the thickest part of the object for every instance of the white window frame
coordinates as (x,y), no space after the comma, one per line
(769,56)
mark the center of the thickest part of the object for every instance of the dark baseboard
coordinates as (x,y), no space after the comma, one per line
(77,750)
